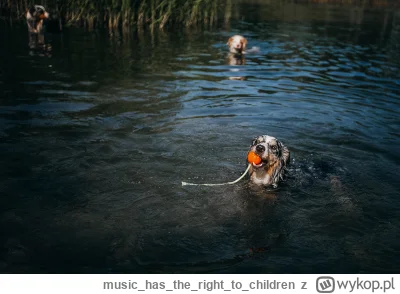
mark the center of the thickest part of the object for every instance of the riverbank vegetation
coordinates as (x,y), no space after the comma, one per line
(127,13)
(150,13)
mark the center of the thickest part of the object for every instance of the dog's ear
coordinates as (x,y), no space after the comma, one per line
(254,141)
(284,153)
(32,10)
(244,43)
(229,41)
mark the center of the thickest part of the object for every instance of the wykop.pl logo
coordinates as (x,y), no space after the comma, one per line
(325,284)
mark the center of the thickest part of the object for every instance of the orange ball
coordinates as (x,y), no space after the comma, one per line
(253,158)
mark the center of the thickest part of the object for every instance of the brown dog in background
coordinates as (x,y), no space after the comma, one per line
(237,44)
(34,18)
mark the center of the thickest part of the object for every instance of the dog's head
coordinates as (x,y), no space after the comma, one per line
(237,44)
(274,157)
(37,12)
(34,17)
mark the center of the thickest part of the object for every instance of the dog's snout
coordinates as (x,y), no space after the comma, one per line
(260,148)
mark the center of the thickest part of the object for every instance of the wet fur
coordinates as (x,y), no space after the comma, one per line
(234,59)
(237,44)
(275,157)
(34,18)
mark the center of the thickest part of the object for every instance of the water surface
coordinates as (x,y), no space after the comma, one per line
(97,134)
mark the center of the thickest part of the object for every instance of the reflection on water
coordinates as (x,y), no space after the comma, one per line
(97,137)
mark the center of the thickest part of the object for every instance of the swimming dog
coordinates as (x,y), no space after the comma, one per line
(237,44)
(34,18)
(274,158)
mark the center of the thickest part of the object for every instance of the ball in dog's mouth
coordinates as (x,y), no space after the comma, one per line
(255,159)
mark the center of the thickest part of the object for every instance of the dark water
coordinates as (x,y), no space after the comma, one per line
(97,135)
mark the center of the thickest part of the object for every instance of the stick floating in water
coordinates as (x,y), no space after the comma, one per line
(220,184)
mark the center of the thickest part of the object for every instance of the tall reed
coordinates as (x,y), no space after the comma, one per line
(140,13)
(124,13)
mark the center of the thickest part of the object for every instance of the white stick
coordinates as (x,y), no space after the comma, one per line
(220,184)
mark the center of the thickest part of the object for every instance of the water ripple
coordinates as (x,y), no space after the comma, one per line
(94,148)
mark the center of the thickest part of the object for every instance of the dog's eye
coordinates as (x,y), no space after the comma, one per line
(273,147)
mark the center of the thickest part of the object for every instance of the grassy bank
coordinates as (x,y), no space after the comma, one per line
(151,13)
(126,13)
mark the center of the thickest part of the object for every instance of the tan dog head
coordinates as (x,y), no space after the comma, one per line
(237,44)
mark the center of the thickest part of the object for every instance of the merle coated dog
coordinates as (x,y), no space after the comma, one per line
(274,158)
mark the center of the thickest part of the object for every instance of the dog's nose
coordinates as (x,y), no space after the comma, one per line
(260,148)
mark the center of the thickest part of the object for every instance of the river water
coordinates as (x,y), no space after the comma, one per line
(97,133)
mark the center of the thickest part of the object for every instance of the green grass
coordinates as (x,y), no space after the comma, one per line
(126,13)
(148,13)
